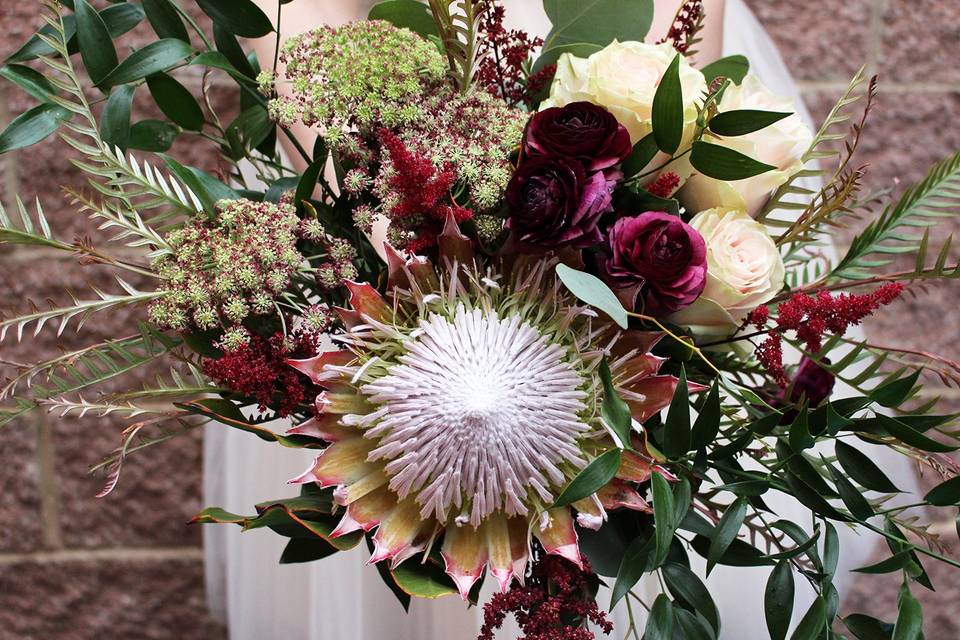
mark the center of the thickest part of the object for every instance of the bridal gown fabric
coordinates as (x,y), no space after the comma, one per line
(343,598)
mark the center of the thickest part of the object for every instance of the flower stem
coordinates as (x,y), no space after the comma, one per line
(667,331)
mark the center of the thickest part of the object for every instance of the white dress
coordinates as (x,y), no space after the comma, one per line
(341,597)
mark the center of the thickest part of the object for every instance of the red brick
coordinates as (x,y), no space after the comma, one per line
(921,41)
(20,498)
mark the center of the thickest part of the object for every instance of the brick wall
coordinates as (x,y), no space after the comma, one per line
(128,567)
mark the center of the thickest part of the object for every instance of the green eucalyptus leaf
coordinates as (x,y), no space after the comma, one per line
(32,126)
(676,428)
(154,57)
(616,413)
(660,621)
(155,136)
(240,17)
(406,14)
(778,600)
(726,531)
(175,101)
(689,590)
(721,163)
(115,122)
(165,20)
(593,291)
(597,22)
(667,114)
(30,80)
(743,121)
(862,469)
(945,494)
(597,474)
(96,46)
(733,67)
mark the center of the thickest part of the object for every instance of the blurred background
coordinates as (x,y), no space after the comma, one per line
(128,566)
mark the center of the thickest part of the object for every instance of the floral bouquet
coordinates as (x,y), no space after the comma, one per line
(552,313)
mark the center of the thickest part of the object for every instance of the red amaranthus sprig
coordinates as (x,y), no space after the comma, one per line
(686,24)
(556,595)
(811,318)
(503,53)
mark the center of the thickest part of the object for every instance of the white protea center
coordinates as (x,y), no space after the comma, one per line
(482,414)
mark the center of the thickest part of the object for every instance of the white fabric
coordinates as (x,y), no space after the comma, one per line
(342,597)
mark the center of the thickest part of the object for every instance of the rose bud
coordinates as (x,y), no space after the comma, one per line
(812,382)
(554,202)
(663,254)
(580,130)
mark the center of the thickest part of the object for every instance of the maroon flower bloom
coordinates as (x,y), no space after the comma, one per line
(554,203)
(580,130)
(812,382)
(663,254)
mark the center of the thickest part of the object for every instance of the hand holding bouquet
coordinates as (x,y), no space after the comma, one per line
(604,324)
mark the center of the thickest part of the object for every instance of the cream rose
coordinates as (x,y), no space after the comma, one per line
(744,270)
(623,77)
(781,145)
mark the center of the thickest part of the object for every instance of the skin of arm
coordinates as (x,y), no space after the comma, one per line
(302,15)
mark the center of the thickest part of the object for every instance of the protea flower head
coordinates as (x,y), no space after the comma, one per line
(461,406)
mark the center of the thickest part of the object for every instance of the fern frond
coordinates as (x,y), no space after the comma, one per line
(80,310)
(130,228)
(937,196)
(458,23)
(25,232)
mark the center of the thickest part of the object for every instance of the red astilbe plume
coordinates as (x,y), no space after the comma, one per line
(686,24)
(502,54)
(555,595)
(664,185)
(423,201)
(259,370)
(811,318)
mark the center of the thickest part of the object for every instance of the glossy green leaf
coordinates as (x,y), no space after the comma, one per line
(894,393)
(229,46)
(154,57)
(32,126)
(733,67)
(676,428)
(423,580)
(688,589)
(862,469)
(945,494)
(743,121)
(909,625)
(831,549)
(715,161)
(866,627)
(852,499)
(739,554)
(726,531)
(250,129)
(664,514)
(778,600)
(592,290)
(707,425)
(96,46)
(667,114)
(800,437)
(308,181)
(208,189)
(165,20)
(35,47)
(240,17)
(597,22)
(909,436)
(406,14)
(598,473)
(175,101)
(812,623)
(636,561)
(216,60)
(115,122)
(616,413)
(896,562)
(121,18)
(660,621)
(643,152)
(811,499)
(30,80)
(306,550)
(155,136)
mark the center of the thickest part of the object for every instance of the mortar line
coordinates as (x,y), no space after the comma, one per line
(132,554)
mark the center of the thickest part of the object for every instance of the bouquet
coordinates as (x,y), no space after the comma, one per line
(552,313)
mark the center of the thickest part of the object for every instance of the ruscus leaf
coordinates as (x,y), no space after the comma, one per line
(240,17)
(667,114)
(599,472)
(96,46)
(721,163)
(778,600)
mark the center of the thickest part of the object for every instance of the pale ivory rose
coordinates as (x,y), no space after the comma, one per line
(744,270)
(781,145)
(623,77)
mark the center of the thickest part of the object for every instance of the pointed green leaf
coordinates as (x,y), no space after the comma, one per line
(643,152)
(862,469)
(32,126)
(909,436)
(156,136)
(945,494)
(743,121)
(667,113)
(726,531)
(866,627)
(636,561)
(896,562)
(423,580)
(778,600)
(306,550)
(229,46)
(30,80)
(812,623)
(165,20)
(715,161)
(909,624)
(115,122)
(676,428)
(96,46)
(707,426)
(175,101)
(800,437)
(592,477)
(208,189)
(689,590)
(616,413)
(852,499)
(892,394)
(660,622)
(240,17)
(154,57)
(664,514)
(593,291)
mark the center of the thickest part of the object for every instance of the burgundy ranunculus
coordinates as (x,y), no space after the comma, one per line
(812,382)
(554,202)
(580,130)
(662,253)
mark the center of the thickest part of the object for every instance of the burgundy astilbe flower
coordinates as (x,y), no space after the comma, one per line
(550,606)
(423,194)
(502,54)
(664,185)
(259,370)
(811,318)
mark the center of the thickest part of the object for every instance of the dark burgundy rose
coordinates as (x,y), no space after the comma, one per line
(663,254)
(812,382)
(554,202)
(580,130)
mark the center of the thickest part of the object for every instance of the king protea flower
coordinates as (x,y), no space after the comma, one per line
(464,403)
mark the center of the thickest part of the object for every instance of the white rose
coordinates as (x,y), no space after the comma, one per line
(623,77)
(781,145)
(744,270)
